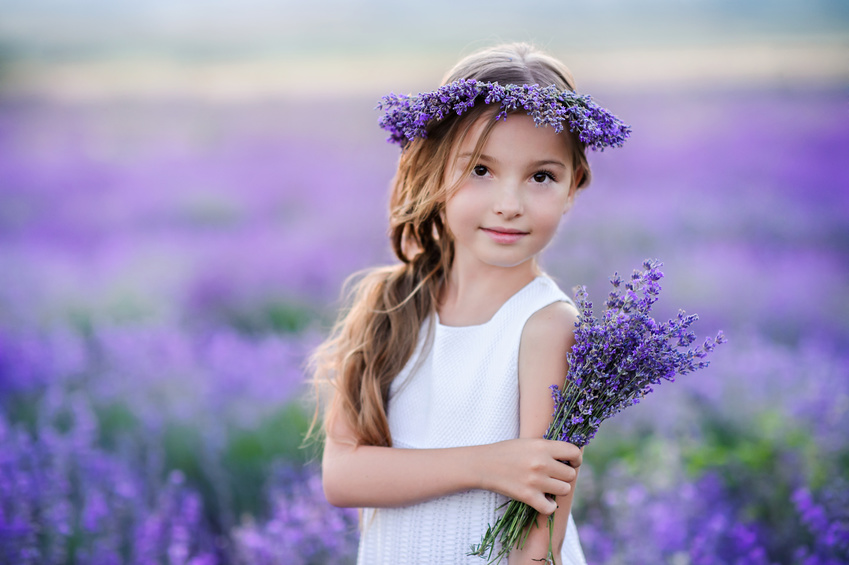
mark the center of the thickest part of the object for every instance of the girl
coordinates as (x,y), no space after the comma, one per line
(441,367)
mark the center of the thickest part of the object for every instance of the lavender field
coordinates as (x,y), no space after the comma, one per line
(166,266)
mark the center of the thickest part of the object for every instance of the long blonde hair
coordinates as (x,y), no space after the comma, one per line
(376,335)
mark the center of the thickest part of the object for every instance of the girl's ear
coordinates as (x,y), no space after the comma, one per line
(577,178)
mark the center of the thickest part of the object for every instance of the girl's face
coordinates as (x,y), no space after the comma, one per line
(508,209)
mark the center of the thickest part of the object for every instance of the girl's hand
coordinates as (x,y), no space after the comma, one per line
(529,469)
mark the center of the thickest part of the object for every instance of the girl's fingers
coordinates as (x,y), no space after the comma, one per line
(544,505)
(563,473)
(558,488)
(550,507)
(563,451)
(528,469)
(541,499)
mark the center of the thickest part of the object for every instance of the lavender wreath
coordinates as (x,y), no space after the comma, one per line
(407,117)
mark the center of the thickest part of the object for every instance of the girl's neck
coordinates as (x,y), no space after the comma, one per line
(471,297)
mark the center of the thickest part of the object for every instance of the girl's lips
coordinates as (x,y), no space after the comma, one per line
(504,235)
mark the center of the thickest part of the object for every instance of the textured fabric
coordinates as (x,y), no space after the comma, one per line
(460,388)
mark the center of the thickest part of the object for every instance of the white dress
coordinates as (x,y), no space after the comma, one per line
(460,388)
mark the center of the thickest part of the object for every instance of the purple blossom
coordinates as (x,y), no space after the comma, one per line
(618,359)
(192,224)
(684,520)
(407,117)
(303,529)
(615,361)
(173,531)
(826,517)
(63,499)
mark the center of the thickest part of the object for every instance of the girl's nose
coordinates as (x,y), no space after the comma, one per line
(508,202)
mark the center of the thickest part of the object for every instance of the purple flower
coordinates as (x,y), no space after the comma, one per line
(826,518)
(407,117)
(614,363)
(303,527)
(618,358)
(687,521)
(64,499)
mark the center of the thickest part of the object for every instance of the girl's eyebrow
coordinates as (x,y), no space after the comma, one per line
(540,163)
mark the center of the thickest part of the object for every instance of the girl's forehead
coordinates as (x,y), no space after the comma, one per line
(515,133)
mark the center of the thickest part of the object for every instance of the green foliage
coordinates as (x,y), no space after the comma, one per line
(22,409)
(612,449)
(116,421)
(274,316)
(232,480)
(188,451)
(761,462)
(249,454)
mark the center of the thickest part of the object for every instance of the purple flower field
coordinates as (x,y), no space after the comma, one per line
(165,267)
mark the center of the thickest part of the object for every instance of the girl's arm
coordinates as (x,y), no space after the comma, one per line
(547,338)
(371,476)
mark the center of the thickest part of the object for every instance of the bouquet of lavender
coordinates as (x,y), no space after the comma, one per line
(614,362)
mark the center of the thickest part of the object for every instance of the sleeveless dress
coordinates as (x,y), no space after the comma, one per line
(460,388)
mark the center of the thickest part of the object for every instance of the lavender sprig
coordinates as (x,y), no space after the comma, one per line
(407,117)
(614,363)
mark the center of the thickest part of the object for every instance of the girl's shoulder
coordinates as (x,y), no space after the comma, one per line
(554,322)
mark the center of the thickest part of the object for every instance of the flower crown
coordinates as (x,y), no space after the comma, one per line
(407,117)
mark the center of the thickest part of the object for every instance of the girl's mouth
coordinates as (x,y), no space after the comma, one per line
(504,235)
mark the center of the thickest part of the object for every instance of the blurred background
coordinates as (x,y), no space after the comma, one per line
(185,185)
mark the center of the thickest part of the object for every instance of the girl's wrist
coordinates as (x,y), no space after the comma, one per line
(477,474)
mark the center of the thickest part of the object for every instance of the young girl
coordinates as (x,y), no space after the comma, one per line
(441,367)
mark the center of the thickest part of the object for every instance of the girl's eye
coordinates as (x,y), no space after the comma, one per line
(543,176)
(480,171)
